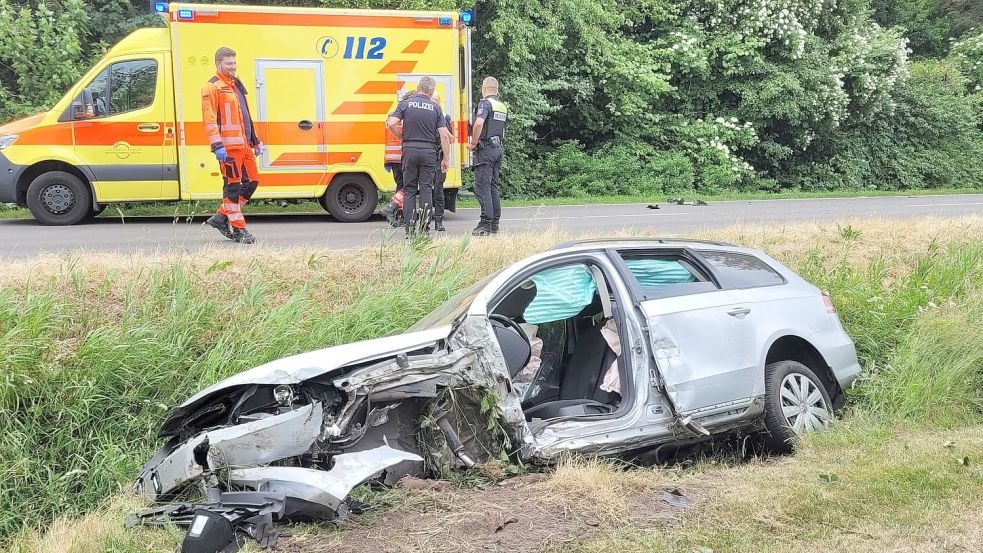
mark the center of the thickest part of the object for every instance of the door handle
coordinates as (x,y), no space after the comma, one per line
(148,127)
(739,312)
(305,125)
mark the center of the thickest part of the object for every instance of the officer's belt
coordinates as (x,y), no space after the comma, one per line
(420,143)
(492,142)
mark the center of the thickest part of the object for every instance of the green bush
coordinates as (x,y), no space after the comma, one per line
(617,168)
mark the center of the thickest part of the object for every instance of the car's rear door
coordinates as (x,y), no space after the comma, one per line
(702,334)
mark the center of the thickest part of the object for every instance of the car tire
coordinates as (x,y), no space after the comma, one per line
(59,198)
(792,405)
(350,198)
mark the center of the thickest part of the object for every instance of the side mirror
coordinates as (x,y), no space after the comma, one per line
(87,109)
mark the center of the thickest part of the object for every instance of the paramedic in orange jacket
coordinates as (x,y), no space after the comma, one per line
(234,142)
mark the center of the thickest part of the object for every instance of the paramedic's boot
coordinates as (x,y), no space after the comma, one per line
(494,227)
(243,236)
(438,224)
(481,230)
(221,223)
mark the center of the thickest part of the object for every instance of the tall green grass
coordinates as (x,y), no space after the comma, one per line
(89,368)
(880,300)
(936,375)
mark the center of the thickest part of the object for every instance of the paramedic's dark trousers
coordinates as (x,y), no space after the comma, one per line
(419,175)
(487,162)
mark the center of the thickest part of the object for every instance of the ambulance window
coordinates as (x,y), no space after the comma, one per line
(133,85)
(98,87)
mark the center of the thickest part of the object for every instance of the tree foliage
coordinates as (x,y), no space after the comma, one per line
(653,96)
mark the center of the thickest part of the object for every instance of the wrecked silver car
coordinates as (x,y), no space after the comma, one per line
(602,347)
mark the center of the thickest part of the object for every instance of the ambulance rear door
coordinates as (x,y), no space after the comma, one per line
(291,92)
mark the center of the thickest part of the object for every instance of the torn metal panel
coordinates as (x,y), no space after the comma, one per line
(266,440)
(298,368)
(327,488)
(490,371)
(402,371)
(258,442)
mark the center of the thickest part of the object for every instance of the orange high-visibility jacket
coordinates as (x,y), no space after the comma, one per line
(222,116)
(394,146)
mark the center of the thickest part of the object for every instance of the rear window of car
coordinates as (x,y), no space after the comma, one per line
(741,270)
(659,275)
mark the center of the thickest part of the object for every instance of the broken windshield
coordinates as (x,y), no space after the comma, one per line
(448,311)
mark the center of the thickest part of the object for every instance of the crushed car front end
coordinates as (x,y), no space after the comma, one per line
(290,440)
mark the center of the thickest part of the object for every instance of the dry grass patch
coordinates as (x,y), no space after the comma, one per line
(897,242)
(98,532)
(859,488)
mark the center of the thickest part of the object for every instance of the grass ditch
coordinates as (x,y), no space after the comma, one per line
(96,348)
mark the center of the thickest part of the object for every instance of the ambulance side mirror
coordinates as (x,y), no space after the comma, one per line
(86,109)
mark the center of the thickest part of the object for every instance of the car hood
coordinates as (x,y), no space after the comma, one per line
(298,368)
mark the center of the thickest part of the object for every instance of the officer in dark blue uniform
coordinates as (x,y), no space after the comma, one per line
(487,139)
(424,135)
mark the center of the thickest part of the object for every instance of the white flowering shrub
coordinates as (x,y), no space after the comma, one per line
(967,54)
(870,62)
(783,25)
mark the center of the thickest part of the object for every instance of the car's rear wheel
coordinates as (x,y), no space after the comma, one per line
(796,402)
(350,198)
(59,198)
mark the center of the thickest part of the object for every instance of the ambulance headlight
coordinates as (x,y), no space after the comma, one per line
(7,140)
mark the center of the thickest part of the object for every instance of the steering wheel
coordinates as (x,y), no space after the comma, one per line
(509,323)
(515,345)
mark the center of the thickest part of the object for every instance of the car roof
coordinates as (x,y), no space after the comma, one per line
(639,242)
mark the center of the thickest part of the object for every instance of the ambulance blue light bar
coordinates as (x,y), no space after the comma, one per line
(444,21)
(160,7)
(185,14)
(467,17)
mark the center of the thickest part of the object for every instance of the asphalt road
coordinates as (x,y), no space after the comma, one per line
(22,238)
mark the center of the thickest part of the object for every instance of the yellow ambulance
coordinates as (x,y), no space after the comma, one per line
(321,84)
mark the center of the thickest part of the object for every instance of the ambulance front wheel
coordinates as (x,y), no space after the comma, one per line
(350,198)
(59,198)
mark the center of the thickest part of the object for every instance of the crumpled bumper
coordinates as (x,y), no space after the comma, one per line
(253,443)
(244,452)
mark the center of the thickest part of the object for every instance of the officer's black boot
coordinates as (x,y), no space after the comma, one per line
(438,224)
(494,227)
(481,230)
(221,223)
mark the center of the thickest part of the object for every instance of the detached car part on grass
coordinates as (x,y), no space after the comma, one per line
(597,347)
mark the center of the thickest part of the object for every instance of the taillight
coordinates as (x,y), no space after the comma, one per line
(829,304)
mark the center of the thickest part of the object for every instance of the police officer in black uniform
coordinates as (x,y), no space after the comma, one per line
(487,138)
(424,134)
